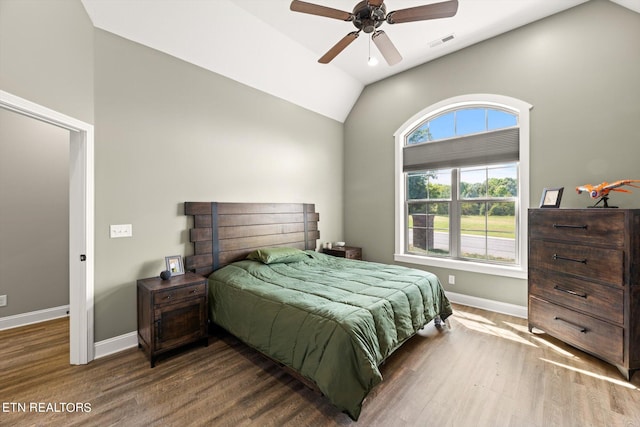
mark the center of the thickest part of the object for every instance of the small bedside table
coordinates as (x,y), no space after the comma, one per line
(350,252)
(171,313)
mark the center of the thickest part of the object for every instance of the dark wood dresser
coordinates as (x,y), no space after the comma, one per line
(171,313)
(584,281)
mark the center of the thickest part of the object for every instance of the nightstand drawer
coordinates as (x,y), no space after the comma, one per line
(354,253)
(170,296)
(349,252)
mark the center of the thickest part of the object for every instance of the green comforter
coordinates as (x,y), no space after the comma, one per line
(331,319)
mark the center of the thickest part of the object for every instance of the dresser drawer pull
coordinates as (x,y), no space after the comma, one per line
(558,257)
(569,226)
(578,327)
(569,291)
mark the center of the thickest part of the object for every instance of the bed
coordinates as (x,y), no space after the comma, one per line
(330,320)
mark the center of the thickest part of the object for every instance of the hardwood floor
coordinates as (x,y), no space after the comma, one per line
(485,370)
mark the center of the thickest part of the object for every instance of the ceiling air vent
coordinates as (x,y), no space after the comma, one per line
(439,41)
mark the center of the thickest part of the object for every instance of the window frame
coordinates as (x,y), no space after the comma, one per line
(513,105)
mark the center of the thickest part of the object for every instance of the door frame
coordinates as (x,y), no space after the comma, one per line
(81,221)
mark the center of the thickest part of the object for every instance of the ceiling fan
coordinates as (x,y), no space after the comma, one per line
(368,15)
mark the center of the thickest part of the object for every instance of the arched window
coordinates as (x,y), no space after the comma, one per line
(462,185)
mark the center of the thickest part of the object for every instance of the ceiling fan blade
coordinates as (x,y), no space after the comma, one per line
(388,50)
(339,47)
(316,9)
(444,9)
(375,3)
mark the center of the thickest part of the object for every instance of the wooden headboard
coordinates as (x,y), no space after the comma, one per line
(226,232)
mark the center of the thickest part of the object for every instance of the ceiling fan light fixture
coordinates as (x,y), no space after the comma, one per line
(386,47)
(368,15)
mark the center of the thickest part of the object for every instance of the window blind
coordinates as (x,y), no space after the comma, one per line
(485,148)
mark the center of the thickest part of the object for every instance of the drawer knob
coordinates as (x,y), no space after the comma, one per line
(584,227)
(570,292)
(558,257)
(573,325)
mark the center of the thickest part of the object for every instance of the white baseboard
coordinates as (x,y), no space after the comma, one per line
(38,316)
(487,304)
(113,345)
(101,348)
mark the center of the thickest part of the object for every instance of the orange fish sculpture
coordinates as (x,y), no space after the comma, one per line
(602,190)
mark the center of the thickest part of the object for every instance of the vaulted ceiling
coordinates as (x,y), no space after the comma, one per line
(263,44)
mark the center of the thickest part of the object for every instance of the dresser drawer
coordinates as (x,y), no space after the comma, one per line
(585,261)
(176,294)
(585,332)
(597,227)
(605,302)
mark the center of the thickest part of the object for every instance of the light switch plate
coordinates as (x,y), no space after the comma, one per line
(120,230)
(3,300)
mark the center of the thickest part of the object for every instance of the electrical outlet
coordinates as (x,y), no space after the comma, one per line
(120,230)
(3,300)
(452,279)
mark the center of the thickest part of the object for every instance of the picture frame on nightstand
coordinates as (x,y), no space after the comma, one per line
(174,264)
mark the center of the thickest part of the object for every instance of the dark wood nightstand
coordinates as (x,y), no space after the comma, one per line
(171,313)
(350,252)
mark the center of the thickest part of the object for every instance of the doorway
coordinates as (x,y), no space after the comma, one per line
(81,221)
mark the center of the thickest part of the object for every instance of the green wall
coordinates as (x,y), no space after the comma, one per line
(169,132)
(580,73)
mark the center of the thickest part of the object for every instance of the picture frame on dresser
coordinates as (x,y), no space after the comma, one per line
(551,197)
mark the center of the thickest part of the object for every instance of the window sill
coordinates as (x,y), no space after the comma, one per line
(475,267)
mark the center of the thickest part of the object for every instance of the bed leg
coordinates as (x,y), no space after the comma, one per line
(439,323)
